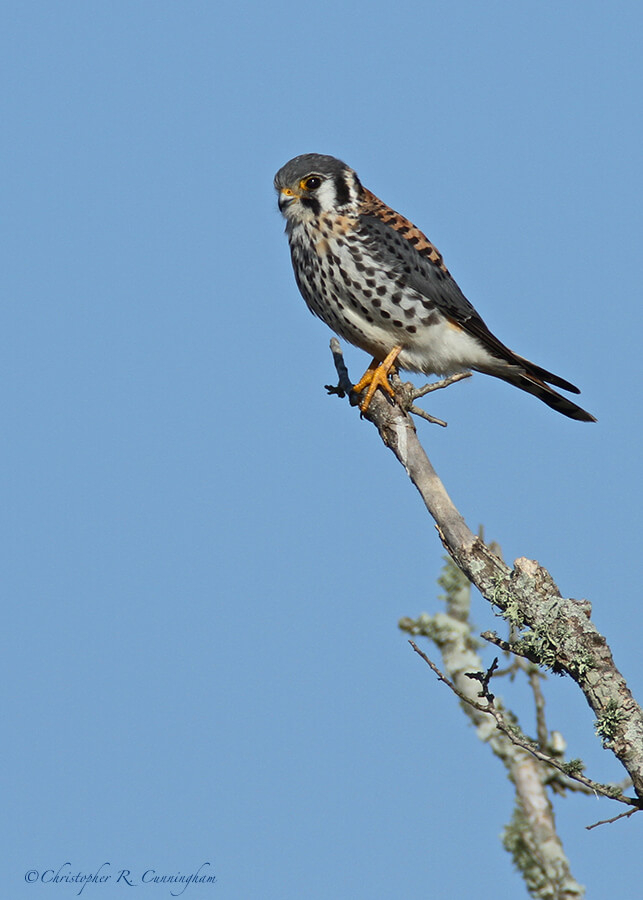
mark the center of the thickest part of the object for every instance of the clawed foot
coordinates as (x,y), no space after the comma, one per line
(377,376)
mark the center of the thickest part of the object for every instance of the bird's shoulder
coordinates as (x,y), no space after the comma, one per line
(400,244)
(371,207)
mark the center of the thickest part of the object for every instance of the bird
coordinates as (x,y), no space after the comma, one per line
(379,283)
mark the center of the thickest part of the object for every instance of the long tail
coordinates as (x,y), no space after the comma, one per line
(532,379)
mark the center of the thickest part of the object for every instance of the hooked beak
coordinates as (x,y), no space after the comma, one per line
(286,197)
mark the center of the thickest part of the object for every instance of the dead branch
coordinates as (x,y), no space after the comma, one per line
(552,631)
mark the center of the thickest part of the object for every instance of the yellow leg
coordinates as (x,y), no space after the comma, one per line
(377,376)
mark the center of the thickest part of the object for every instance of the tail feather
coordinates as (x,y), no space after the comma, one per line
(544,375)
(530,382)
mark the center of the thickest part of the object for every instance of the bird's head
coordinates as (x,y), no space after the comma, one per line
(312,184)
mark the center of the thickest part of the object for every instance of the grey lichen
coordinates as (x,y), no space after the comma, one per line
(538,646)
(574,767)
(608,724)
(502,597)
(518,840)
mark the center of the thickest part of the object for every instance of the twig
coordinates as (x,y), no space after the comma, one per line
(438,385)
(423,414)
(406,393)
(522,742)
(484,678)
(623,815)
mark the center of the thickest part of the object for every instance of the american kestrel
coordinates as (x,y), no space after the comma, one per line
(380,284)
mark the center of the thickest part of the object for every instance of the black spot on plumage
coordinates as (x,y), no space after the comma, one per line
(409,313)
(397,323)
(411,329)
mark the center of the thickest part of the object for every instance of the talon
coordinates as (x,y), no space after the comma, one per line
(377,376)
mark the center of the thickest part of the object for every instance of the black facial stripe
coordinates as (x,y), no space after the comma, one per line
(342,192)
(312,203)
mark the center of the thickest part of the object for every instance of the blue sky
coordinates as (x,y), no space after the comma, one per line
(202,661)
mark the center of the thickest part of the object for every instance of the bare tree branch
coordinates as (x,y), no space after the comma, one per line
(553,631)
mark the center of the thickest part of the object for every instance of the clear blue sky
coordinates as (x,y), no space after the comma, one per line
(201,659)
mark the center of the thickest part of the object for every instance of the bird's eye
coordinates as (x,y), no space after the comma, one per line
(311,183)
